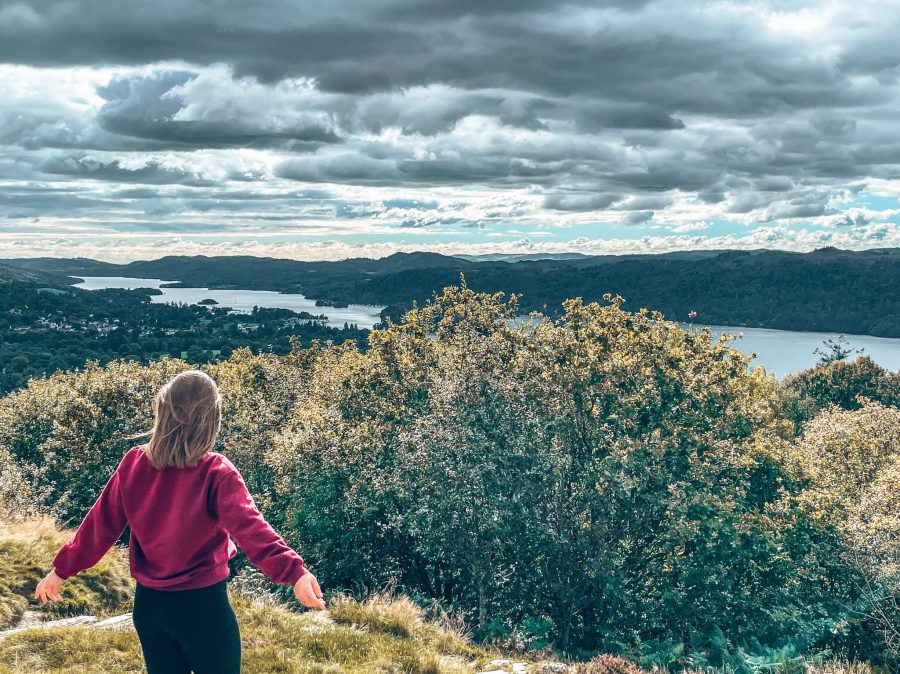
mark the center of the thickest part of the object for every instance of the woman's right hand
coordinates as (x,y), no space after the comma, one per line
(308,592)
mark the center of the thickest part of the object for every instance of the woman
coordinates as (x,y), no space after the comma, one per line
(182,501)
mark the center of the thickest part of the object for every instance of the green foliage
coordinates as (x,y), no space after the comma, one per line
(601,469)
(835,350)
(603,481)
(849,461)
(840,382)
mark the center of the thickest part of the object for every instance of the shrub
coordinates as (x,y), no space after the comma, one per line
(606,664)
(840,383)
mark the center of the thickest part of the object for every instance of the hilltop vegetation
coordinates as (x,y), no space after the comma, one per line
(604,482)
(382,634)
(827,290)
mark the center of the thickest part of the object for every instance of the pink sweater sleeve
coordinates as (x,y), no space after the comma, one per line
(100,528)
(240,517)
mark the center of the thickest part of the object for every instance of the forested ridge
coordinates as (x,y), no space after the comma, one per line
(601,482)
(827,290)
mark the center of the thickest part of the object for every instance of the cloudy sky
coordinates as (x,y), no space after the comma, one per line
(322,130)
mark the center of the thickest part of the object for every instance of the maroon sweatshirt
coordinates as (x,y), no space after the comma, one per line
(180,522)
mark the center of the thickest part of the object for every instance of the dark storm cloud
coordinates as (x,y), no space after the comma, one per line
(624,105)
(663,60)
(454,9)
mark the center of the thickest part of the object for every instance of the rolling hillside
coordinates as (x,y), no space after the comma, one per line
(827,290)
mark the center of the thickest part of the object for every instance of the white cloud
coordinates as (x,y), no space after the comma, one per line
(421,126)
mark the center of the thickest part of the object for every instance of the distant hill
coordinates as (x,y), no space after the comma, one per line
(502,257)
(64,266)
(24,274)
(828,290)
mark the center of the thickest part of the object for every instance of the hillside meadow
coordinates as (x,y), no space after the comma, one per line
(603,483)
(381,634)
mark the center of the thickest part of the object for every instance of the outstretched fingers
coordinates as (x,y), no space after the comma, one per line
(317,591)
(41,592)
(308,595)
(47,591)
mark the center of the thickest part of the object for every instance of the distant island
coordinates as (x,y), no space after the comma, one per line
(207,301)
(826,290)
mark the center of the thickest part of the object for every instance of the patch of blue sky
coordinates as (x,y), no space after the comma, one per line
(876,203)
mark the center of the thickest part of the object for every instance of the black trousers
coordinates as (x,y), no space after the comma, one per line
(187,630)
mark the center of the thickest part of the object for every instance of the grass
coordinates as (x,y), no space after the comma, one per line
(26,551)
(843,667)
(383,635)
(273,640)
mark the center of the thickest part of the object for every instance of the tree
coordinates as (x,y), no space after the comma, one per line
(850,462)
(842,383)
(835,350)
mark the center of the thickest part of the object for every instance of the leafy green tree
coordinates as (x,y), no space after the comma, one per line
(840,383)
(606,469)
(850,462)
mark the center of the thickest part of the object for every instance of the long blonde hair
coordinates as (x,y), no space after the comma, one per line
(187,417)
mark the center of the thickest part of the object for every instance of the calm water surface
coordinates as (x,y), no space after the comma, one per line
(784,352)
(781,352)
(363,315)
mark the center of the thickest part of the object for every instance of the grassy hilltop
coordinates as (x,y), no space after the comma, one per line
(380,635)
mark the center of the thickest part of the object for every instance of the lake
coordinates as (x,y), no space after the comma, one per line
(782,352)
(363,315)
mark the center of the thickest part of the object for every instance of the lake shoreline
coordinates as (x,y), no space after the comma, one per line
(238,299)
(781,352)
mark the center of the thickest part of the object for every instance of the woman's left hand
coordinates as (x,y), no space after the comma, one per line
(49,588)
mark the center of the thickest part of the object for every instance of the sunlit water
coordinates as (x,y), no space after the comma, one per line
(781,352)
(363,315)
(784,352)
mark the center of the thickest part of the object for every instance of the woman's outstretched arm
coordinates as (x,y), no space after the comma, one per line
(101,527)
(266,549)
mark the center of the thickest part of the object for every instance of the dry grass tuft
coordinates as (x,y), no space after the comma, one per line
(26,550)
(380,613)
(607,664)
(842,667)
